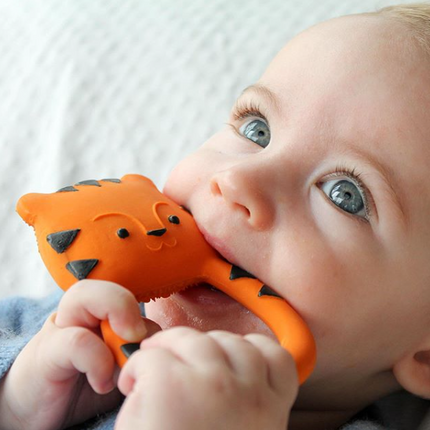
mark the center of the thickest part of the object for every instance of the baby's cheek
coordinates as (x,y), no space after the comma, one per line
(183,179)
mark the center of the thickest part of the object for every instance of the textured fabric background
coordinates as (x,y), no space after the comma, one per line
(100,88)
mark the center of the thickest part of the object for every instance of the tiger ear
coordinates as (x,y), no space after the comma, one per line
(134,177)
(28,206)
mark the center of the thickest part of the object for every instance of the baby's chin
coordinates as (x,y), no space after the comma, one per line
(205,310)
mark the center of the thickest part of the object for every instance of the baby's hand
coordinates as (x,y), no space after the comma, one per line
(66,374)
(182,379)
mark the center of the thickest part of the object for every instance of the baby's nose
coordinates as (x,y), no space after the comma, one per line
(245,191)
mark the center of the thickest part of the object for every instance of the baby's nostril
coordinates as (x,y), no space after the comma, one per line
(244,209)
(215,189)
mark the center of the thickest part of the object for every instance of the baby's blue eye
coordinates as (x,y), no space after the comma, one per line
(346,195)
(256,130)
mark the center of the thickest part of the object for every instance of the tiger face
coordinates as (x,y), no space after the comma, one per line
(120,230)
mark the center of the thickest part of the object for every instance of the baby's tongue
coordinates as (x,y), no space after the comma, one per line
(206,294)
(207,308)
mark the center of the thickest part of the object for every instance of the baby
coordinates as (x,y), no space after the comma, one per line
(318,186)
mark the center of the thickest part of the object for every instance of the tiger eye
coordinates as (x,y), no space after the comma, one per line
(123,233)
(174,219)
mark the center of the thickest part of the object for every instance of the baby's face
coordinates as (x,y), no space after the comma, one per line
(319,187)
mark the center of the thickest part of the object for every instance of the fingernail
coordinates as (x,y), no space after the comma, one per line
(141,329)
(137,334)
(109,386)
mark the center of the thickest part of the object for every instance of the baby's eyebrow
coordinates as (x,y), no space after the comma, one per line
(264,92)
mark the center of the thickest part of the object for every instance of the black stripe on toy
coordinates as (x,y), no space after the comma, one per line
(129,348)
(237,272)
(267,291)
(80,269)
(61,240)
(89,182)
(114,180)
(66,189)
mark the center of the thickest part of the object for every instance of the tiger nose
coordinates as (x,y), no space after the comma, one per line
(158,232)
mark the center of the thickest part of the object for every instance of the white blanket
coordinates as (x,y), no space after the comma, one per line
(100,88)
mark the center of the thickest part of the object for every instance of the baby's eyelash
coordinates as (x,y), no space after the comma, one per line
(369,203)
(245,109)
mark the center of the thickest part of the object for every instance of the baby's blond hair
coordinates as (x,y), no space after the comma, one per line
(415,16)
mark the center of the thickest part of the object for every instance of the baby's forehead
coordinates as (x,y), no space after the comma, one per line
(357,40)
(355,57)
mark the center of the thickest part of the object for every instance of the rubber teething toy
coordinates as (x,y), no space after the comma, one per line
(126,231)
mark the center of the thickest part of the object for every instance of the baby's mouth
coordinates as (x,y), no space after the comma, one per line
(229,256)
(206,295)
(206,285)
(205,307)
(212,288)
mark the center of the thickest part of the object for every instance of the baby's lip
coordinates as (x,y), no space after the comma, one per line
(228,255)
(219,246)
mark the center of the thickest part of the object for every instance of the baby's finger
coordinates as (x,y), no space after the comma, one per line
(88,302)
(142,362)
(244,358)
(281,368)
(69,351)
(189,345)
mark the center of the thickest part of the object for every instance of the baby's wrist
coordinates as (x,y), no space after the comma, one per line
(8,419)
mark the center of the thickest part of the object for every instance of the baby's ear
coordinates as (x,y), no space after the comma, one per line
(413,371)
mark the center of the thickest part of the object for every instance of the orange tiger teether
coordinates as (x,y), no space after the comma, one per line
(126,231)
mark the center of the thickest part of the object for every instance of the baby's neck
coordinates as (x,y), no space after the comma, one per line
(319,420)
(322,406)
